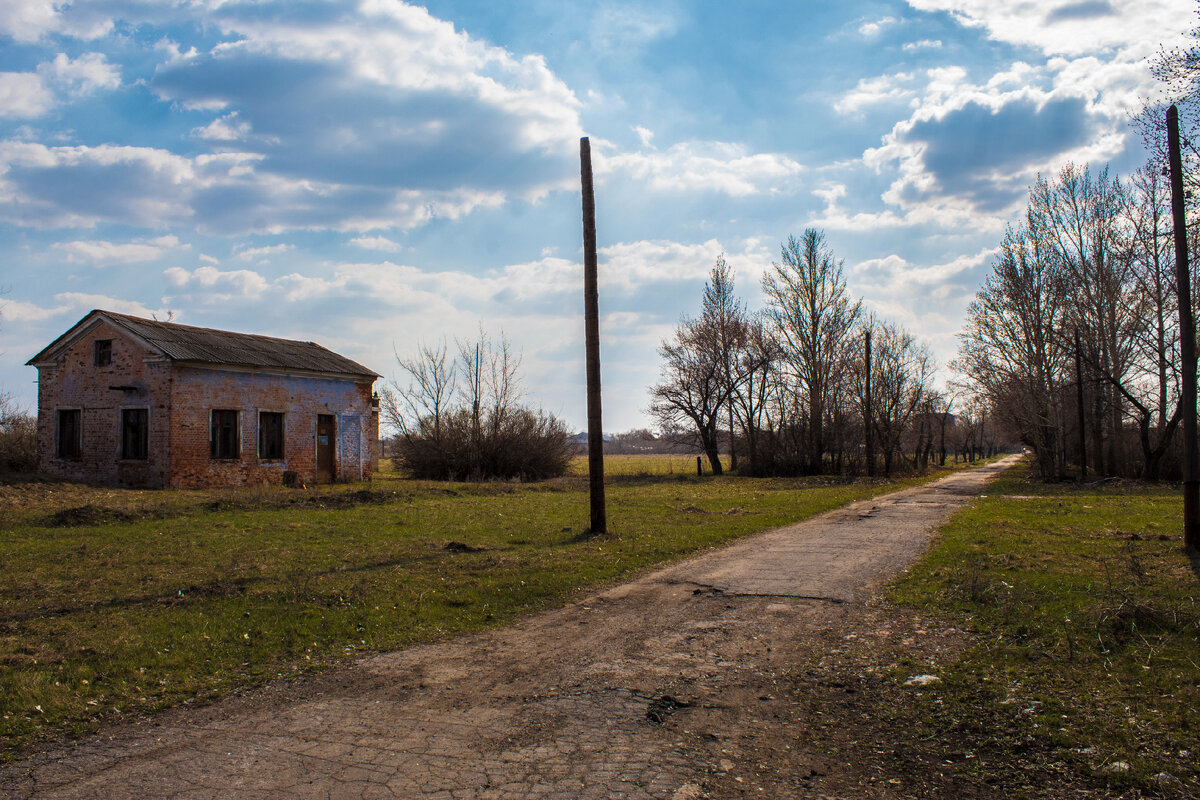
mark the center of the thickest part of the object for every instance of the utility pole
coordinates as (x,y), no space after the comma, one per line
(1080,405)
(868,414)
(1187,340)
(591,316)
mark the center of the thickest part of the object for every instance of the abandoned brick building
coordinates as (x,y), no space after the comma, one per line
(136,402)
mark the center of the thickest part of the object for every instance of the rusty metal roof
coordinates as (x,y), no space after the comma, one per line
(210,346)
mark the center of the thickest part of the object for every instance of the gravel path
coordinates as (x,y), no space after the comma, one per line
(641,691)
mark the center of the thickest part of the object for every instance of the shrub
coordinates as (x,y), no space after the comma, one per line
(18,438)
(523,444)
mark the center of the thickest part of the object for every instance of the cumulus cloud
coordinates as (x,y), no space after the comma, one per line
(325,117)
(212,285)
(874,91)
(402,99)
(1072,27)
(978,146)
(88,73)
(922,44)
(30,20)
(80,186)
(23,95)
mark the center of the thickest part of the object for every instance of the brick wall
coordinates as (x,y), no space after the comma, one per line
(197,391)
(75,382)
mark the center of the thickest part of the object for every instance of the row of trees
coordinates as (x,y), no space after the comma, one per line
(1074,338)
(795,385)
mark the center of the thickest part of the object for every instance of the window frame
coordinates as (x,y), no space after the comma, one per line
(218,445)
(142,451)
(102,352)
(76,452)
(276,453)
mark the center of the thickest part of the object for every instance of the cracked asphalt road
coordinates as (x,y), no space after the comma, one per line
(641,691)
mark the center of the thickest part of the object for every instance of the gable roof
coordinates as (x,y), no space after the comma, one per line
(210,346)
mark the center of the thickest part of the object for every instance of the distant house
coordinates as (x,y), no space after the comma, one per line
(137,402)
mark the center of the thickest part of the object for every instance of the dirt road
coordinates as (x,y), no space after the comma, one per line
(652,689)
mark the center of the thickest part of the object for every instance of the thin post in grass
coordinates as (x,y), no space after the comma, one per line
(867,411)
(591,315)
(1187,340)
(1080,403)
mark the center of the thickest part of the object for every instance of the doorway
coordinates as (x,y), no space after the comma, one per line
(326,437)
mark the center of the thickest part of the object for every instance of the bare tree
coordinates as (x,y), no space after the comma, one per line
(427,393)
(812,317)
(901,374)
(723,317)
(1010,352)
(750,398)
(692,391)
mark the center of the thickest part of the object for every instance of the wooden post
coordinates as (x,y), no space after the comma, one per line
(591,316)
(1187,340)
(1080,404)
(868,414)
(699,466)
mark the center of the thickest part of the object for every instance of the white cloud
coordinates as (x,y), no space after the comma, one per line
(224,129)
(30,20)
(1073,27)
(922,44)
(873,91)
(976,147)
(54,187)
(211,285)
(251,253)
(716,167)
(380,243)
(88,73)
(372,122)
(22,311)
(620,27)
(870,29)
(23,95)
(100,253)
(645,136)
(896,275)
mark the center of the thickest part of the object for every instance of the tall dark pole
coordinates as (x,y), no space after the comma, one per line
(591,316)
(1187,341)
(868,414)
(1080,404)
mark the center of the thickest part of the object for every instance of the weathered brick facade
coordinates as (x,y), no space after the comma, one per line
(97,406)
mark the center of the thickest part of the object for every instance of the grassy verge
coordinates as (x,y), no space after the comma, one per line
(115,602)
(1085,659)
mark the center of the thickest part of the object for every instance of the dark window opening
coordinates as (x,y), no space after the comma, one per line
(135,433)
(68,435)
(270,434)
(103,352)
(225,434)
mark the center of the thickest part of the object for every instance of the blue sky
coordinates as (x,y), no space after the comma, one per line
(373,175)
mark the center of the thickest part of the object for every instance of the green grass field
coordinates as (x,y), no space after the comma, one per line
(1088,627)
(120,602)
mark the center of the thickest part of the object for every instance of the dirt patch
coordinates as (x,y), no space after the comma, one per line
(844,717)
(88,515)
